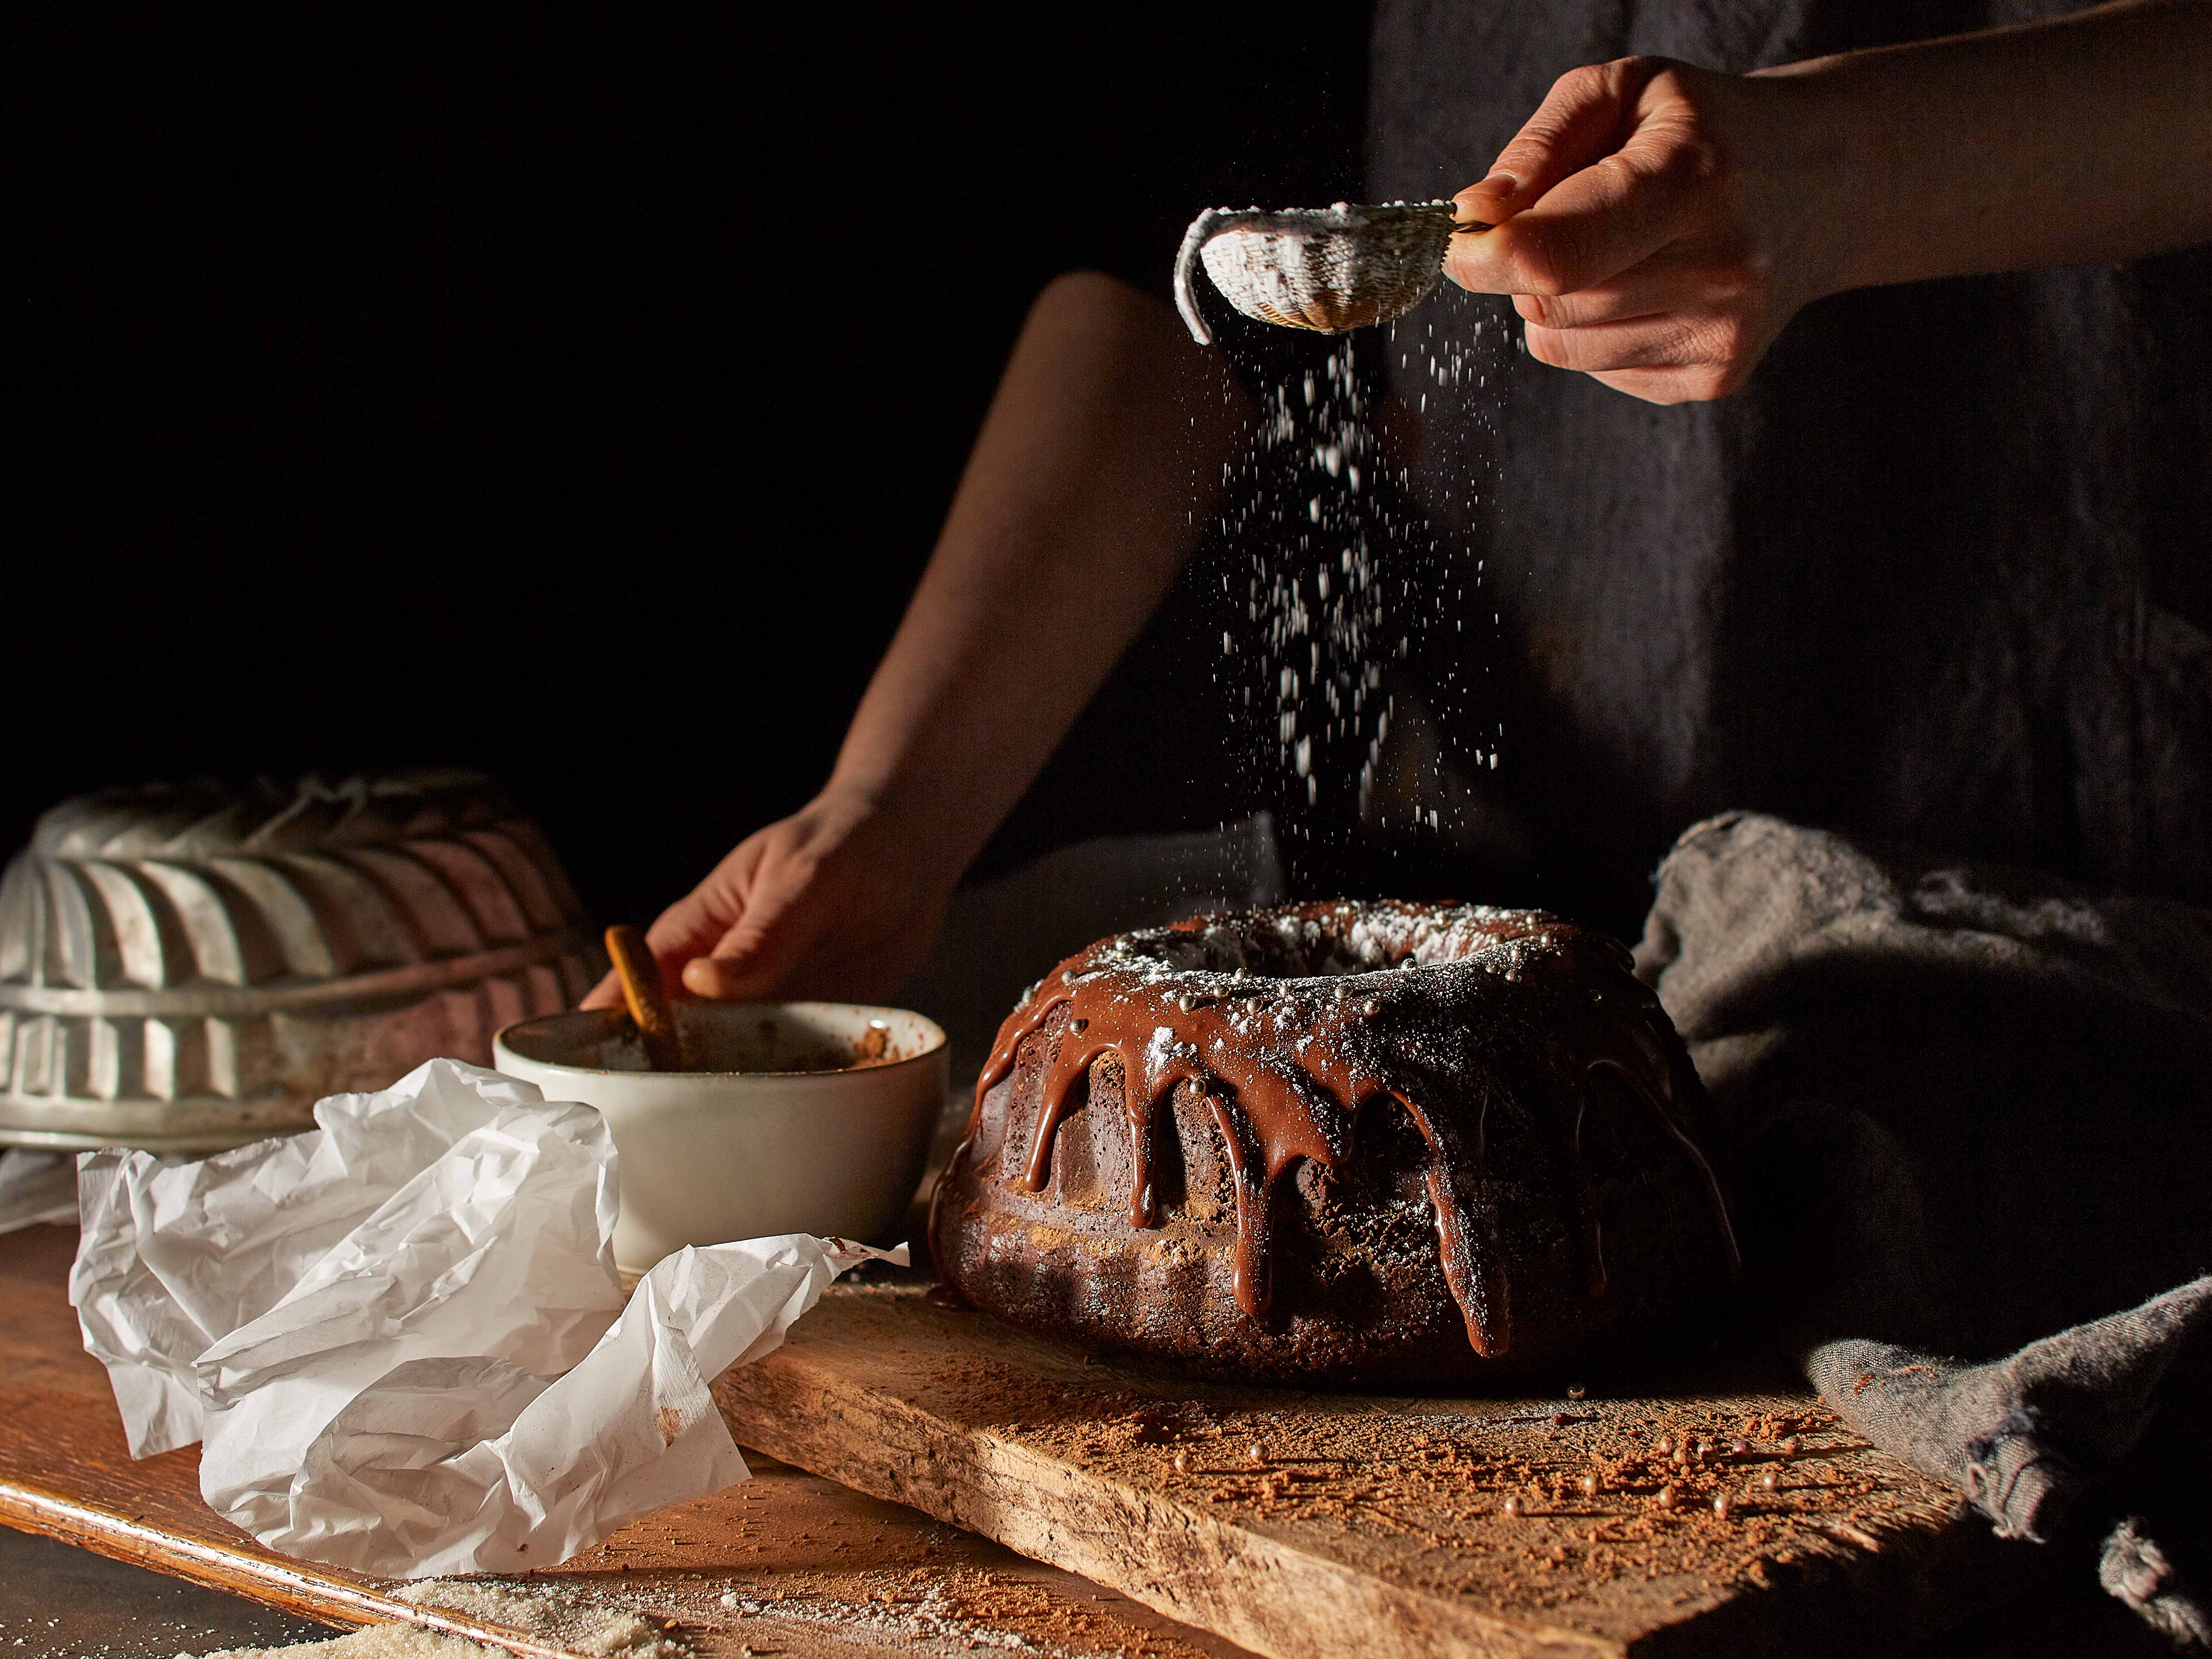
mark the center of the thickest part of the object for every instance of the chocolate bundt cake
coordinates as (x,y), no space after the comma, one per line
(1369,1143)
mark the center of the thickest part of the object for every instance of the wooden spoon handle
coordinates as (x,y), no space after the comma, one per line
(646,997)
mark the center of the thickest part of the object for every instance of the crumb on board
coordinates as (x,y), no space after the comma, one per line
(1522,1507)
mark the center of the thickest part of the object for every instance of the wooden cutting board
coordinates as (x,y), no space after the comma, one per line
(1303,1525)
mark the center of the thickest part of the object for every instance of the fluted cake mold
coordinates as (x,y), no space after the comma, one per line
(1374,1144)
(188,968)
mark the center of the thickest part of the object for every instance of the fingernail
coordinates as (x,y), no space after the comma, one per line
(1499,184)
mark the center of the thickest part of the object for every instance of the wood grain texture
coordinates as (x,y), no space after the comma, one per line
(810,1568)
(74,1482)
(1381,1525)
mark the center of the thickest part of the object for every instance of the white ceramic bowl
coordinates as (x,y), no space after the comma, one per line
(763,1139)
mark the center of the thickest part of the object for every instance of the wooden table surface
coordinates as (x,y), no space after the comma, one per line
(785,1564)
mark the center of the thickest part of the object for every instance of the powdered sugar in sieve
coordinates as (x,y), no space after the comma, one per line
(1330,269)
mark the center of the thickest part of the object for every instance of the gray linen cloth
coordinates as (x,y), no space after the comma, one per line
(1970,1112)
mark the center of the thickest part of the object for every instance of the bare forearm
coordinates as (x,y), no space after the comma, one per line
(1659,224)
(2080,140)
(1104,445)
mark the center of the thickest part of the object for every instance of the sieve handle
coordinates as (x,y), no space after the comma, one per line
(1203,229)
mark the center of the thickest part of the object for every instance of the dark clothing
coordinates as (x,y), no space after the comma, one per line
(1942,572)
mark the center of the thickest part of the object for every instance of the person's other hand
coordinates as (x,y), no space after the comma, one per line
(828,902)
(1657,224)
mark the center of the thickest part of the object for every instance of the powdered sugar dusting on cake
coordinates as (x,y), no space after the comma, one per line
(1288,1021)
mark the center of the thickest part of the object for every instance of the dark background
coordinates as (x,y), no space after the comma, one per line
(578,398)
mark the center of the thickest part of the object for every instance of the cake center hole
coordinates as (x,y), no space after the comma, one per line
(1295,947)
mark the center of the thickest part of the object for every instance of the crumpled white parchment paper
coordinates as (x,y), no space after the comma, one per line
(402,1336)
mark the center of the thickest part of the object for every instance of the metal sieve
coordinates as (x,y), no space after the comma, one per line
(1330,269)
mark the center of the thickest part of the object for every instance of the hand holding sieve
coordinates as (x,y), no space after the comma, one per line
(1330,269)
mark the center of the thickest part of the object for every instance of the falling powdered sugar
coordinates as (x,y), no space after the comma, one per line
(1337,579)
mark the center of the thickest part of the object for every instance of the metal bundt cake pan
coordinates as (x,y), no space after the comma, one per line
(188,968)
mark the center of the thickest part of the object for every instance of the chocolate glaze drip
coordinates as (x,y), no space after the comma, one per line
(1291,1021)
